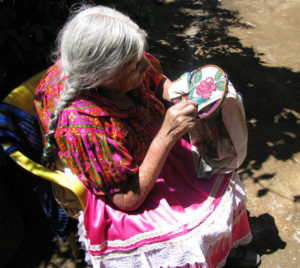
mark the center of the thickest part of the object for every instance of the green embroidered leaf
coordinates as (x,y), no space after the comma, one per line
(220,85)
(218,75)
(197,77)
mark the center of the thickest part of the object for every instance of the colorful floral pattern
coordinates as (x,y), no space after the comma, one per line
(103,145)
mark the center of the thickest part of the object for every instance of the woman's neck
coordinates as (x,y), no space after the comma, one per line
(118,99)
(112,94)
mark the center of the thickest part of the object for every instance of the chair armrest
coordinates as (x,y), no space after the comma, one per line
(60,178)
(23,95)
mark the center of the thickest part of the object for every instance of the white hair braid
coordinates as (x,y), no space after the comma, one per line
(93,46)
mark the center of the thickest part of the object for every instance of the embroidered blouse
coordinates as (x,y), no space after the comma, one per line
(102,144)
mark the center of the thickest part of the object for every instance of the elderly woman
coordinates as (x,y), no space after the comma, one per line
(101,112)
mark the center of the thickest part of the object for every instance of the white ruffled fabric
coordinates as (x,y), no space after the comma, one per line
(190,248)
(229,152)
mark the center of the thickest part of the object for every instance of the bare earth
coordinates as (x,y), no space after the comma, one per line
(273,183)
(257,42)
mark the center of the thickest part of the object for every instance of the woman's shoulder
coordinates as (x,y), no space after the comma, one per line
(154,76)
(155,63)
(52,76)
(50,85)
(82,111)
(92,103)
(88,111)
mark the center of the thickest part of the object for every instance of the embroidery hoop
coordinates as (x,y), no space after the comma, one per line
(208,86)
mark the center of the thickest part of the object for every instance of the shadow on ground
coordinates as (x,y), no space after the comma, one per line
(197,33)
(185,34)
(263,228)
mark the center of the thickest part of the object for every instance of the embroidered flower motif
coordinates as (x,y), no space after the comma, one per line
(81,177)
(69,138)
(206,87)
(87,165)
(72,117)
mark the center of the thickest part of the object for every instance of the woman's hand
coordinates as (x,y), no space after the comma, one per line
(179,119)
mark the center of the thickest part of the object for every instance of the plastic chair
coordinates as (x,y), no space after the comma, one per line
(23,98)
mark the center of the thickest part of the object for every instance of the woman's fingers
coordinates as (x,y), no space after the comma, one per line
(184,104)
(180,118)
(184,108)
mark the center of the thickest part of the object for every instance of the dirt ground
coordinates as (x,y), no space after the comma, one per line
(272,173)
(257,42)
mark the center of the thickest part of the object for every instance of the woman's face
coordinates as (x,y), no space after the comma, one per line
(130,77)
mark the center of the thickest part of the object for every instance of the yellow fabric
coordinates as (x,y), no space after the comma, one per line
(22,97)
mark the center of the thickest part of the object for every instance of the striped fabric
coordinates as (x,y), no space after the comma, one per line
(22,131)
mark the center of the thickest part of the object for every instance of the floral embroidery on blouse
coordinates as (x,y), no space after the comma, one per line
(102,144)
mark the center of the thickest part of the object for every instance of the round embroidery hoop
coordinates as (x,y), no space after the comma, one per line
(208,87)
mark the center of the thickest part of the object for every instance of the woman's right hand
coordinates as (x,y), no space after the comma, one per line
(179,119)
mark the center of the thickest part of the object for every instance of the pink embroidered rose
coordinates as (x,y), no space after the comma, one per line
(206,87)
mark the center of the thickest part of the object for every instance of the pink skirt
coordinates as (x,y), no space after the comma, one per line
(184,222)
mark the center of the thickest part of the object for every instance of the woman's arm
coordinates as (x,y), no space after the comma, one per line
(179,119)
(162,92)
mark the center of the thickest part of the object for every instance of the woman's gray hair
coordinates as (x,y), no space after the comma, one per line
(93,46)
